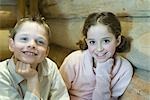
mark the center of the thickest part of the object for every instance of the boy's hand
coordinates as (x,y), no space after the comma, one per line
(25,70)
(31,75)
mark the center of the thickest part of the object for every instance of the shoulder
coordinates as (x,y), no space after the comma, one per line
(3,66)
(75,56)
(73,60)
(125,65)
(125,62)
(4,71)
(48,66)
(50,62)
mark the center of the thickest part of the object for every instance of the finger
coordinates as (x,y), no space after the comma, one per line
(18,66)
(26,67)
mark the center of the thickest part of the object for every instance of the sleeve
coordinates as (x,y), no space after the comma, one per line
(58,87)
(67,71)
(126,71)
(10,92)
(103,79)
(102,88)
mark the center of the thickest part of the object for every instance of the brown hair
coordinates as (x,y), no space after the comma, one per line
(113,24)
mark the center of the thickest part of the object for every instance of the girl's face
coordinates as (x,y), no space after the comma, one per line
(101,43)
(30,44)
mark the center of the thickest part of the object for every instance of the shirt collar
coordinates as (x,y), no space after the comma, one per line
(12,68)
(43,69)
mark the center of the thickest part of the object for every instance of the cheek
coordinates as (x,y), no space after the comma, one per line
(111,48)
(43,51)
(17,47)
(91,49)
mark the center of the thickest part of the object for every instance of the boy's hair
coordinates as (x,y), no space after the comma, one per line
(40,20)
(113,24)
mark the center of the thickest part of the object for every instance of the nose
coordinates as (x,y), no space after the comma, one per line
(99,47)
(32,44)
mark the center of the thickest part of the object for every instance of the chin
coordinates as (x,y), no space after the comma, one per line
(28,61)
(102,59)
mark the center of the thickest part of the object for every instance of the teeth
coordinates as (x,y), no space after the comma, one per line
(100,55)
(30,53)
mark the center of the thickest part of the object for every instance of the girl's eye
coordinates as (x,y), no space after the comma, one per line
(92,42)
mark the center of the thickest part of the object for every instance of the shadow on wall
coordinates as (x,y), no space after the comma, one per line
(4,50)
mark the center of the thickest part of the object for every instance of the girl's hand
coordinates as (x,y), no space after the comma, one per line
(105,66)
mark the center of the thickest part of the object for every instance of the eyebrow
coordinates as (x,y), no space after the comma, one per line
(90,39)
(106,37)
(42,38)
(101,38)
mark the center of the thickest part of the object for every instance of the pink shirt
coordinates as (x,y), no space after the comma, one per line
(83,84)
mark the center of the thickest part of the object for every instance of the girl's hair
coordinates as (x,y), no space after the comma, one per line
(38,19)
(113,24)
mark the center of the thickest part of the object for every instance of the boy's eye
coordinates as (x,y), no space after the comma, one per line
(106,41)
(40,42)
(23,38)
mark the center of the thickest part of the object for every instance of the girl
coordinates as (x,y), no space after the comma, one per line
(96,72)
(29,75)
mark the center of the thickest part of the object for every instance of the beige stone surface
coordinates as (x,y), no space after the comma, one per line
(140,48)
(58,53)
(81,8)
(138,89)
(66,33)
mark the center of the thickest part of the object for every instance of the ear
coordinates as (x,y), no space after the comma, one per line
(118,40)
(11,44)
(47,51)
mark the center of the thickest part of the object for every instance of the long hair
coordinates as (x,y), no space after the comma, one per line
(113,24)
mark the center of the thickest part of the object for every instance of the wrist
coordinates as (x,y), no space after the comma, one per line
(33,84)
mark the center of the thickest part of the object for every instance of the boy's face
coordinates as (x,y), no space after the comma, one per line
(101,43)
(30,44)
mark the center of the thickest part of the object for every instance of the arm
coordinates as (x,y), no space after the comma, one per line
(126,72)
(11,91)
(31,75)
(103,80)
(67,72)
(58,89)
(7,90)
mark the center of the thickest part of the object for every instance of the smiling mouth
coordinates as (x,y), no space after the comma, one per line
(28,53)
(101,56)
